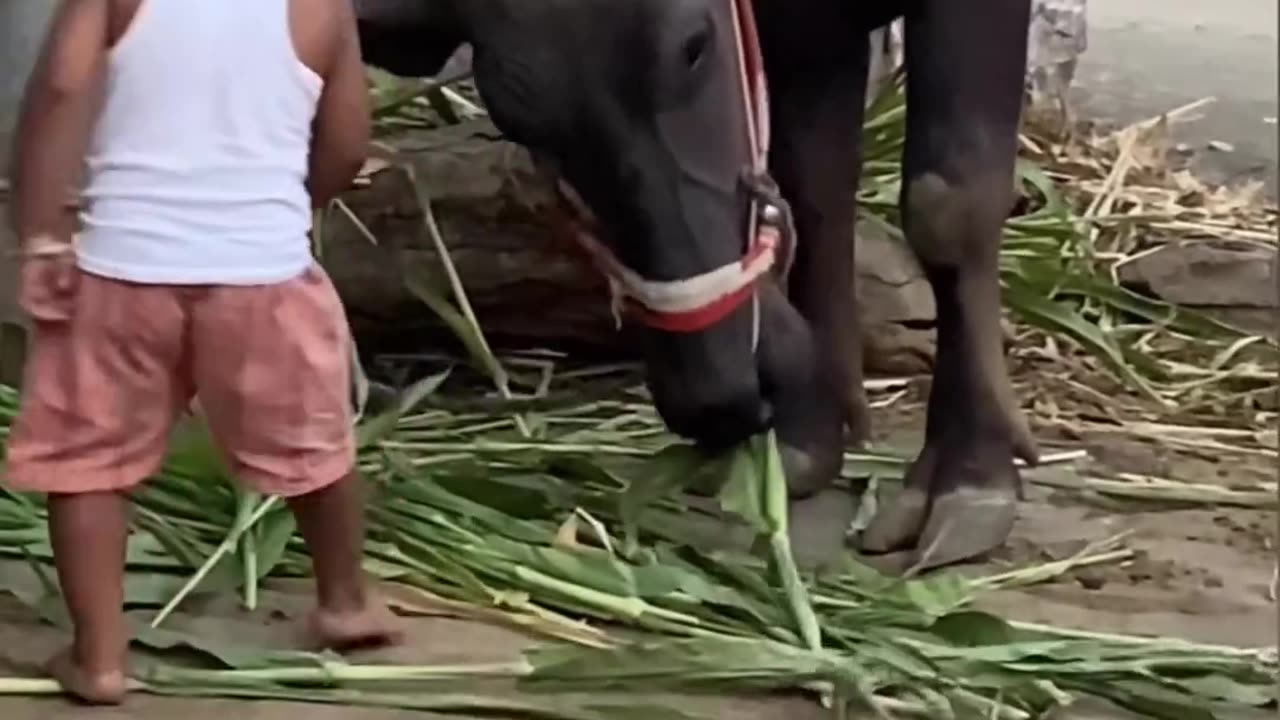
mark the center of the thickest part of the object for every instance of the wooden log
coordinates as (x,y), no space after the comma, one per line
(528,285)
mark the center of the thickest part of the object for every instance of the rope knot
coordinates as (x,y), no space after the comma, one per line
(773,211)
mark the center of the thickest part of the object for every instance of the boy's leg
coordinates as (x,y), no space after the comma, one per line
(99,396)
(331,520)
(272,368)
(91,574)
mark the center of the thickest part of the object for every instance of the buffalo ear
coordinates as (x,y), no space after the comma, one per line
(409,38)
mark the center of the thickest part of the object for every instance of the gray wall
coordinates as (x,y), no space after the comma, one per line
(22,27)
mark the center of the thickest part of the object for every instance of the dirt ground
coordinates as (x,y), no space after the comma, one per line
(1146,57)
(1200,574)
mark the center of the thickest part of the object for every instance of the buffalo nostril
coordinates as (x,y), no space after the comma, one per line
(766,415)
(724,426)
(717,413)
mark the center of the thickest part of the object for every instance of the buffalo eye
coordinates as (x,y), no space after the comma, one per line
(685,49)
(695,47)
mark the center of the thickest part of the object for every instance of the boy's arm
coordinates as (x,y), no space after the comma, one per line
(54,123)
(340,136)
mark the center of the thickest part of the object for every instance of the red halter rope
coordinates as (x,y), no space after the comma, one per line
(692,304)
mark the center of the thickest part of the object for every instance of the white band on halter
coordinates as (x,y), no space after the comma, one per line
(695,303)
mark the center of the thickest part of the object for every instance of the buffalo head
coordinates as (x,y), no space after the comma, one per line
(638,106)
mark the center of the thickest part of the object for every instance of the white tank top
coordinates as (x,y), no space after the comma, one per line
(198,162)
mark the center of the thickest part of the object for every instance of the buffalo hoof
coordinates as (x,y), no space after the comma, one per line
(897,526)
(812,469)
(966,524)
(954,507)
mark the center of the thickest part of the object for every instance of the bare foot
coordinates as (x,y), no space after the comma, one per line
(373,626)
(100,688)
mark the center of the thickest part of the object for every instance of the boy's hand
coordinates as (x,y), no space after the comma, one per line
(328,41)
(47,286)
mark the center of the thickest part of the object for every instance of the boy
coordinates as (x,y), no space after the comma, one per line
(211,129)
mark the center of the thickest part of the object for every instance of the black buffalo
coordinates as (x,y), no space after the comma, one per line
(637,104)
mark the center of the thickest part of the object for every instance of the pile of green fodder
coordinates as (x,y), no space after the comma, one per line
(565,517)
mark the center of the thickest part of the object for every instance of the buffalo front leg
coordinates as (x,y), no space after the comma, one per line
(817,107)
(965,78)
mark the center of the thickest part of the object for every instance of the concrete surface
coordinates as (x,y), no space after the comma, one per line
(1148,56)
(22,25)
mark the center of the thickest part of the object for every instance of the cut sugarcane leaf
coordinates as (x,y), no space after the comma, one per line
(742,493)
(681,663)
(377,428)
(274,532)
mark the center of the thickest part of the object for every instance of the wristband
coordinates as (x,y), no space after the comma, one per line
(45,246)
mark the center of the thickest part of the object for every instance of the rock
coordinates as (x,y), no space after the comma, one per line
(1256,321)
(1208,275)
(892,349)
(1091,579)
(891,285)
(897,305)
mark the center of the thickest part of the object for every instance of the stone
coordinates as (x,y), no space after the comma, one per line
(897,350)
(891,286)
(1208,275)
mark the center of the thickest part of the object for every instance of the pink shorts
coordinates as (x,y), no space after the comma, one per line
(269,363)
